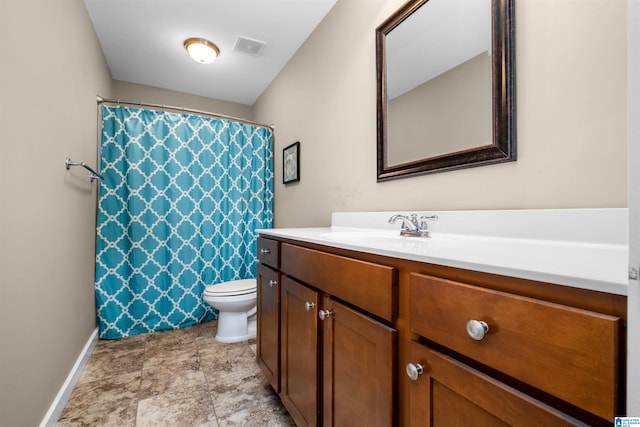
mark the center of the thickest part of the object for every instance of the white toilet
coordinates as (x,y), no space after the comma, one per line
(236,303)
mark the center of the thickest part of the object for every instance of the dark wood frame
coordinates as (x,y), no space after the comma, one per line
(503,148)
(293,147)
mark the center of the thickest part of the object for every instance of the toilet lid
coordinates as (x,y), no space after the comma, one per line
(234,287)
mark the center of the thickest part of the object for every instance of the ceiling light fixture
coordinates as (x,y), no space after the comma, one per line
(201,50)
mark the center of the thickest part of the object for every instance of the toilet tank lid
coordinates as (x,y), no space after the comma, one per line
(232,287)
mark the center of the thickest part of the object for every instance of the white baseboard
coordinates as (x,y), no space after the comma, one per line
(58,404)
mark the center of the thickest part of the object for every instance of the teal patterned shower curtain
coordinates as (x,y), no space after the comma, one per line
(181,199)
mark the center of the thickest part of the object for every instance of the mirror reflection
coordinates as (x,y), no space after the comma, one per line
(438,104)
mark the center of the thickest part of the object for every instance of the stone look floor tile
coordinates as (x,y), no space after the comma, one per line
(196,409)
(112,360)
(174,378)
(259,415)
(109,401)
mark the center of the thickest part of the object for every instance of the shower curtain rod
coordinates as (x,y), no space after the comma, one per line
(102,100)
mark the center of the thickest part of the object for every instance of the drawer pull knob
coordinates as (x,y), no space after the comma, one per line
(265,251)
(272,283)
(477,329)
(414,371)
(309,305)
(323,314)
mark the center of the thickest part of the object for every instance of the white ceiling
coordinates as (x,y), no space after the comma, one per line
(142,41)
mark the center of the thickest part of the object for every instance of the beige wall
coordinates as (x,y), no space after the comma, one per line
(571,101)
(47,215)
(139,93)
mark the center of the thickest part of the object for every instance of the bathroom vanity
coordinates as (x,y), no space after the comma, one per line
(358,325)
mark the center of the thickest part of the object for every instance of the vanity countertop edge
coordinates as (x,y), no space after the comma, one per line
(561,246)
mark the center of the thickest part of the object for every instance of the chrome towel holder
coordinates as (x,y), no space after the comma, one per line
(92,173)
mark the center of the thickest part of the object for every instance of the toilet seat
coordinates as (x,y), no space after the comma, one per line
(232,288)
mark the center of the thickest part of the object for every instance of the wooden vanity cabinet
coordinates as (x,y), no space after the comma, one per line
(268,321)
(338,364)
(552,355)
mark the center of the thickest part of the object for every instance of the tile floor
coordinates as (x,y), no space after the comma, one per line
(174,378)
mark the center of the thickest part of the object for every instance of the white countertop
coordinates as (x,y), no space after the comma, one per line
(583,248)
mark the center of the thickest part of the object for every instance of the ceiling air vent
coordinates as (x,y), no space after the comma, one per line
(250,46)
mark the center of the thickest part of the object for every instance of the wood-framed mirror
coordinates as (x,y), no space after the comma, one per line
(445,87)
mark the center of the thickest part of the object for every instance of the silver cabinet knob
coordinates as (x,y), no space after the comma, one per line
(323,314)
(309,305)
(414,371)
(265,251)
(477,329)
(272,283)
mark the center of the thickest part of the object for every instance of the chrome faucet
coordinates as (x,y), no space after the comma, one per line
(412,226)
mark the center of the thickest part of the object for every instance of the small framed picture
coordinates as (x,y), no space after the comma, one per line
(291,163)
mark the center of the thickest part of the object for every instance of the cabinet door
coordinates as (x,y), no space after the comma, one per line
(359,368)
(449,393)
(268,333)
(299,351)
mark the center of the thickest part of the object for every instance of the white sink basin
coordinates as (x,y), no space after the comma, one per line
(365,235)
(378,237)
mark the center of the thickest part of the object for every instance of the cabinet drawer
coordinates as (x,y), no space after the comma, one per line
(565,351)
(268,252)
(371,287)
(448,393)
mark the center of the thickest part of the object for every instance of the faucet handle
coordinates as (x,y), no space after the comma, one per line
(425,218)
